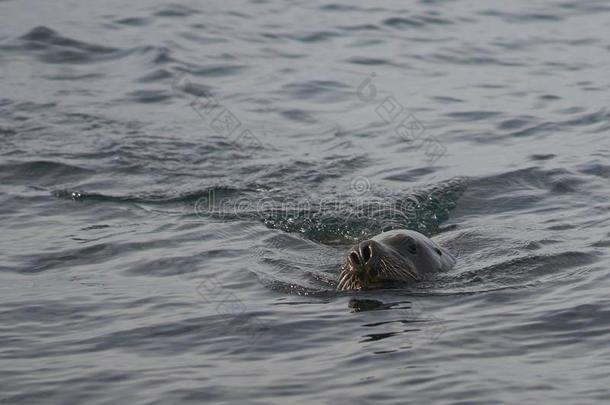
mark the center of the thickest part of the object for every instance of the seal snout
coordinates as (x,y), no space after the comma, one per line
(361,258)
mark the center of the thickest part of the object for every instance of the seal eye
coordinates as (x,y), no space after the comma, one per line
(412,247)
(440,253)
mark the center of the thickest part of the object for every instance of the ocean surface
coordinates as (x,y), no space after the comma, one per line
(179,183)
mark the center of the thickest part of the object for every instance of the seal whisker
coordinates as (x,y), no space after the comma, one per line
(405,272)
(345,280)
(341,285)
(390,268)
(400,272)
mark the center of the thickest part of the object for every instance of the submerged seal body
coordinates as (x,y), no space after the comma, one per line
(398,256)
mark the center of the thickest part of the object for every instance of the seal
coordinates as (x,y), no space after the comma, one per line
(400,256)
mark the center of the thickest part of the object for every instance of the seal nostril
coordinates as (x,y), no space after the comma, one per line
(366,253)
(354,258)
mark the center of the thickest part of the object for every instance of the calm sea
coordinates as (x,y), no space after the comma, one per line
(180,181)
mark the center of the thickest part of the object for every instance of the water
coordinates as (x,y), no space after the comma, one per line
(154,253)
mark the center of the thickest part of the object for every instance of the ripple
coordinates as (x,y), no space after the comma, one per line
(477,60)
(299,116)
(522,18)
(516,123)
(50,47)
(318,36)
(360,27)
(133,21)
(338,7)
(596,169)
(164,197)
(149,96)
(175,11)
(543,156)
(473,115)
(41,173)
(214,70)
(154,55)
(316,90)
(155,76)
(369,61)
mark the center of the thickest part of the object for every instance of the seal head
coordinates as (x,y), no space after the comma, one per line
(394,257)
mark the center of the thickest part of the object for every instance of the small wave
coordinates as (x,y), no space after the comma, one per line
(41,173)
(360,27)
(470,58)
(418,21)
(149,96)
(516,123)
(517,272)
(175,11)
(155,55)
(318,36)
(522,18)
(133,21)
(473,115)
(212,71)
(155,76)
(325,91)
(338,7)
(369,61)
(51,47)
(299,115)
(161,197)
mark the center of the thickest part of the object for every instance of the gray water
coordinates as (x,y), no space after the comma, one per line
(180,182)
